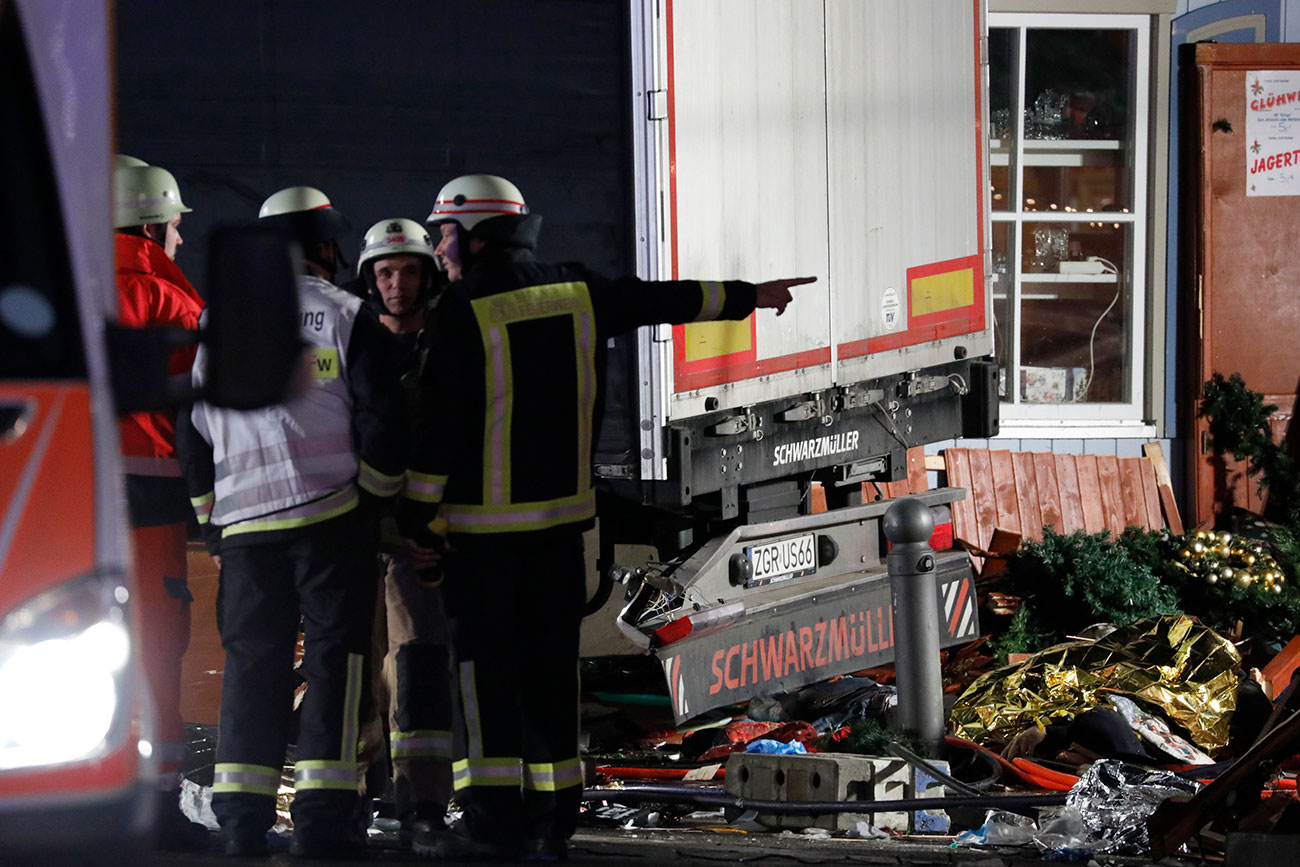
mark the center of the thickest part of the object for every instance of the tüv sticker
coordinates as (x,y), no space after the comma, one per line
(889,308)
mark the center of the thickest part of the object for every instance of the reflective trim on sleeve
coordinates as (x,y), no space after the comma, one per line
(324,774)
(713,299)
(424,487)
(420,744)
(377,483)
(553,776)
(203,506)
(485,772)
(249,779)
(516,517)
(337,503)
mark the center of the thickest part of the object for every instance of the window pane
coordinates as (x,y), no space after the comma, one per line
(1075,313)
(1003,46)
(1004,258)
(1078,84)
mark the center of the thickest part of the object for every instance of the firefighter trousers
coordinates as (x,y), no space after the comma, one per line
(163,601)
(413,686)
(515,608)
(323,575)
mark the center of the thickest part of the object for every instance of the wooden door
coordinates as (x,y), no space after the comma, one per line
(1245,289)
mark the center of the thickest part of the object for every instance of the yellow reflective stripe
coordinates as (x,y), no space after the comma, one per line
(552,776)
(419,744)
(324,774)
(498,383)
(469,706)
(424,487)
(203,506)
(584,339)
(377,483)
(713,297)
(485,772)
(350,747)
(338,503)
(251,779)
(514,517)
(494,313)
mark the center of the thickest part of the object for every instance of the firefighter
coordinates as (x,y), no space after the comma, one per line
(403,283)
(284,493)
(152,292)
(503,453)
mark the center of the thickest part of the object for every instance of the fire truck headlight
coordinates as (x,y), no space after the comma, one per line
(63,665)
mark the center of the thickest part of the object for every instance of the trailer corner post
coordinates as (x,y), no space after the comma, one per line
(908,525)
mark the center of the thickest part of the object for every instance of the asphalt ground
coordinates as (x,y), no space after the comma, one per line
(697,847)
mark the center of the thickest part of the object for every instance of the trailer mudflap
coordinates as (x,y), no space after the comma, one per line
(809,639)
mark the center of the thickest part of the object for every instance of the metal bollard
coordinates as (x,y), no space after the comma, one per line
(908,525)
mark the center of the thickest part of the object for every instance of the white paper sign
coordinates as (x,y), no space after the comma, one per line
(1273,133)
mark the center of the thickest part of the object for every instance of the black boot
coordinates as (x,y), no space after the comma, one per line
(175,833)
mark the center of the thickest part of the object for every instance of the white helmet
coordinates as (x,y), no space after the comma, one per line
(122,161)
(143,195)
(306,212)
(396,237)
(471,199)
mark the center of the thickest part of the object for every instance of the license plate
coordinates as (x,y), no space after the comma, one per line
(784,558)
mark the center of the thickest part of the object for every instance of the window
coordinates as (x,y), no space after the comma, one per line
(1068,115)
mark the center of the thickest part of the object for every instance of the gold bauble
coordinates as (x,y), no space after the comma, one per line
(1212,578)
(1198,547)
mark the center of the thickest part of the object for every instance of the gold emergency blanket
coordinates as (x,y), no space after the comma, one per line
(1172,662)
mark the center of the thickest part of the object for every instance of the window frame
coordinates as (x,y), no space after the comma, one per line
(1131,417)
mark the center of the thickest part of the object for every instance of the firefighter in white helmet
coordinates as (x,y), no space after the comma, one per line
(287,496)
(153,293)
(396,264)
(461,206)
(503,454)
(312,220)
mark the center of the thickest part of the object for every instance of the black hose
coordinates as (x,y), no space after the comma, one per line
(715,797)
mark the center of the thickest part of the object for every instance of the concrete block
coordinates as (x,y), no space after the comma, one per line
(835,778)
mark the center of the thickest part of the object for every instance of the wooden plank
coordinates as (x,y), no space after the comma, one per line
(1028,496)
(1151,496)
(938,463)
(1170,506)
(1049,495)
(1112,500)
(1164,485)
(917,480)
(982,489)
(1130,488)
(1004,490)
(1067,480)
(957,467)
(1094,517)
(964,526)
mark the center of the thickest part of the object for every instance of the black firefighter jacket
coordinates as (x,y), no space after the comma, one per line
(504,434)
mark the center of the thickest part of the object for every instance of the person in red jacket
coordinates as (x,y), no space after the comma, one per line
(153,293)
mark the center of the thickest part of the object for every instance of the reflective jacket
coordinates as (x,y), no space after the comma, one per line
(153,293)
(512,387)
(256,473)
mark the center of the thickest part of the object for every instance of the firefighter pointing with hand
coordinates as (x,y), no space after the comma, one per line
(503,452)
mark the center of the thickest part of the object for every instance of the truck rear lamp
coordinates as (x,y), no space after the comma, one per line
(697,622)
(64,657)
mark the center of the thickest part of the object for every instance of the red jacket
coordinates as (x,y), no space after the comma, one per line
(152,292)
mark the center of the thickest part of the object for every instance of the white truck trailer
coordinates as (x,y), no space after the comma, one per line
(843,139)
